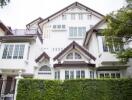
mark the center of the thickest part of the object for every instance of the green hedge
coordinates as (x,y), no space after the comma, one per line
(113,89)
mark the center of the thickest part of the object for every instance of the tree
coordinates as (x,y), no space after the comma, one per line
(4,2)
(119,31)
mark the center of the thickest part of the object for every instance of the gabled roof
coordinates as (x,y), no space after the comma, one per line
(5,29)
(89,32)
(38,19)
(44,54)
(73,45)
(66,9)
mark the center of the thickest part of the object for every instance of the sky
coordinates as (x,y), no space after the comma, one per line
(18,13)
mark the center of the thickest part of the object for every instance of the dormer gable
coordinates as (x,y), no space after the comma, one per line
(74,52)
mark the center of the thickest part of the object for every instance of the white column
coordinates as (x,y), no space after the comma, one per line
(17,81)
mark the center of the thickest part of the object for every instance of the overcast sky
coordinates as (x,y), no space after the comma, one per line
(20,12)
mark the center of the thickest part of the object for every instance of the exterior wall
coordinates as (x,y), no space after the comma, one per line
(129,69)
(59,39)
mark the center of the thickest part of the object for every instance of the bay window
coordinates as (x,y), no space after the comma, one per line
(13,51)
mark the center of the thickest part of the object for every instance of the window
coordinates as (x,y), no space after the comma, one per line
(89,16)
(64,17)
(69,56)
(44,70)
(64,26)
(59,27)
(77,56)
(69,75)
(80,74)
(54,26)
(109,75)
(80,16)
(110,47)
(66,75)
(13,51)
(92,74)
(57,75)
(73,56)
(81,31)
(73,16)
(77,32)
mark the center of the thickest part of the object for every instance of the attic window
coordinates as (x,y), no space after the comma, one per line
(77,56)
(69,56)
(73,56)
(44,70)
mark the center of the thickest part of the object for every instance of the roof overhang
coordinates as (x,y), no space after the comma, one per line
(12,38)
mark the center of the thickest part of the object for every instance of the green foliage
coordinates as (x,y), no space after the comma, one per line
(4,2)
(86,89)
(119,31)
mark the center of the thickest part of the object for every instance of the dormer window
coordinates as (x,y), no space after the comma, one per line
(77,56)
(74,56)
(69,56)
(44,70)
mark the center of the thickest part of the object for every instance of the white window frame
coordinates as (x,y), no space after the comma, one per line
(73,57)
(44,72)
(77,32)
(13,51)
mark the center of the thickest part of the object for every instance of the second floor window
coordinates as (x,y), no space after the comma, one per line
(110,47)
(73,17)
(80,16)
(13,51)
(77,32)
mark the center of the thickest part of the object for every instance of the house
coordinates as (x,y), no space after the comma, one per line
(107,64)
(60,30)
(18,50)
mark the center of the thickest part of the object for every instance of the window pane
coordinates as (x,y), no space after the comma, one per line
(16,51)
(91,74)
(5,52)
(82,74)
(113,75)
(10,51)
(80,16)
(72,16)
(21,51)
(77,56)
(107,75)
(45,68)
(81,31)
(71,31)
(105,46)
(69,56)
(75,32)
(101,75)
(71,74)
(117,75)
(77,74)
(66,74)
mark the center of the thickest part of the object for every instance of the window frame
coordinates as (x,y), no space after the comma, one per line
(11,51)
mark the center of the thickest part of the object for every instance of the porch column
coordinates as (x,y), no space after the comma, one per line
(17,81)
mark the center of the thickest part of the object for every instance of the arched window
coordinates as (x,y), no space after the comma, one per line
(45,68)
(69,56)
(77,56)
